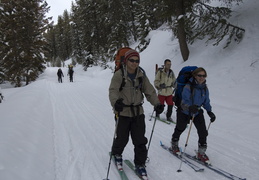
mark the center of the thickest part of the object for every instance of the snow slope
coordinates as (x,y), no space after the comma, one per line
(53,131)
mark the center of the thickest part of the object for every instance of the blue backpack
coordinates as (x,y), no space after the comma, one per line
(182,79)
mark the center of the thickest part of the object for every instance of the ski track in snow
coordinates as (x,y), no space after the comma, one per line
(75,134)
(76,131)
(82,121)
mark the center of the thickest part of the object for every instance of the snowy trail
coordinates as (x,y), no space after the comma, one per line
(71,125)
(83,132)
(78,133)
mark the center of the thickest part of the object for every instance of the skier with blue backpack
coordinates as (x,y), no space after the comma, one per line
(191,95)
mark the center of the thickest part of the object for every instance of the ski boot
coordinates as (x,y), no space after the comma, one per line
(201,156)
(175,148)
(118,161)
(141,171)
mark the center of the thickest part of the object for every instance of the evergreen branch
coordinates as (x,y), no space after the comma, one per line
(209,21)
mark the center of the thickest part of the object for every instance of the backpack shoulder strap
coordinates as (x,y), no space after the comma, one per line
(140,79)
(123,79)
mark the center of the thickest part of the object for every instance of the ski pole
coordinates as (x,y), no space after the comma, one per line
(209,126)
(179,170)
(151,136)
(152,115)
(114,137)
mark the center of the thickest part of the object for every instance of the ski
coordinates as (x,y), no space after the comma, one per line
(163,120)
(132,167)
(184,160)
(214,168)
(120,171)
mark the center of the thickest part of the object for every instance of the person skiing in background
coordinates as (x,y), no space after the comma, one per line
(70,72)
(60,75)
(195,95)
(127,105)
(1,96)
(164,82)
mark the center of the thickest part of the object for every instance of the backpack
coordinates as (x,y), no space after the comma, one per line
(119,58)
(119,63)
(182,79)
(59,72)
(70,70)
(161,70)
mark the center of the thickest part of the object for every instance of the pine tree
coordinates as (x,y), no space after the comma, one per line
(83,31)
(22,45)
(51,46)
(67,34)
(118,26)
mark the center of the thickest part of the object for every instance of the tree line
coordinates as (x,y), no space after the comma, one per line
(95,29)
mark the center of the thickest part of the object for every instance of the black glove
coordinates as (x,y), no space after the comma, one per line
(159,108)
(193,109)
(212,116)
(162,86)
(118,106)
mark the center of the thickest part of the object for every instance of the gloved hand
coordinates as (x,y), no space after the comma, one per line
(162,86)
(118,106)
(212,116)
(193,109)
(159,108)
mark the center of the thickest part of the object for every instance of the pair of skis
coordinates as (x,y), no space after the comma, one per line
(198,169)
(185,158)
(164,120)
(122,173)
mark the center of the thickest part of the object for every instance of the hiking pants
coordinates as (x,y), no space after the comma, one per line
(59,79)
(71,77)
(134,126)
(199,122)
(169,102)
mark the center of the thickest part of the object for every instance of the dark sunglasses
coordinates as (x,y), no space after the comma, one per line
(200,75)
(133,60)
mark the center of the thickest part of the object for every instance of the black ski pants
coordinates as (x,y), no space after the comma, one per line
(60,79)
(199,122)
(71,77)
(134,126)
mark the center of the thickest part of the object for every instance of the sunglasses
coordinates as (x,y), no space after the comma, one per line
(133,60)
(200,75)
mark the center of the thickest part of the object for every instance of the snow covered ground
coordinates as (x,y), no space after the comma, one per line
(53,131)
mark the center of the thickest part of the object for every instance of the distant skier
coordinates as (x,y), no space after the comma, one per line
(70,72)
(1,96)
(60,75)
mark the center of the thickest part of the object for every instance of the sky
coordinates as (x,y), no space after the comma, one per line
(54,131)
(57,8)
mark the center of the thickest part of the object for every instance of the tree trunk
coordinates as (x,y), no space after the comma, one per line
(181,31)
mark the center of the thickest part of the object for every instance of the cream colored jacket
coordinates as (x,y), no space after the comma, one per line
(165,79)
